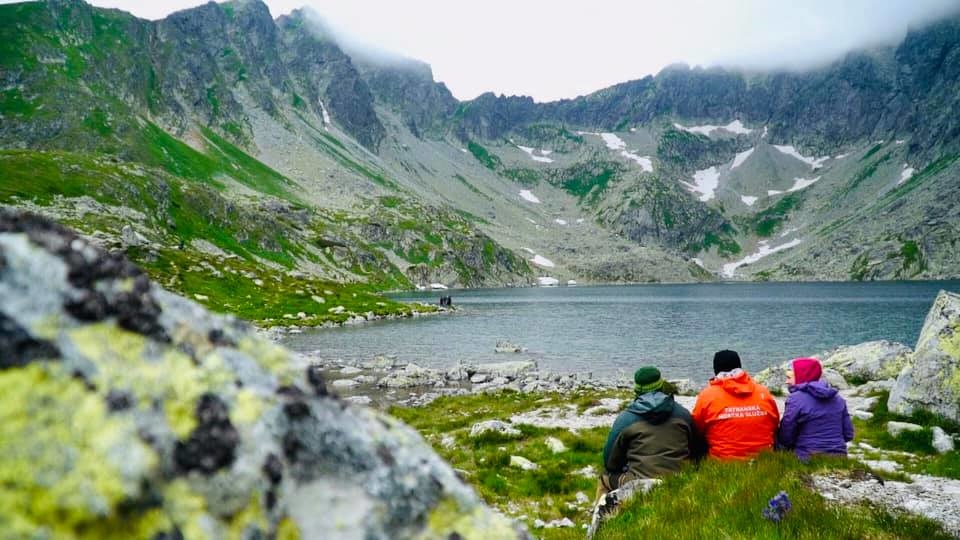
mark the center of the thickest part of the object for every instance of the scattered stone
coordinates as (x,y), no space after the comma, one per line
(555,445)
(896,428)
(942,441)
(337,310)
(582,498)
(862,415)
(523,463)
(507,347)
(586,472)
(319,299)
(882,465)
(350,370)
(478,378)
(933,497)
(132,238)
(607,405)
(359,400)
(448,442)
(343,383)
(495,426)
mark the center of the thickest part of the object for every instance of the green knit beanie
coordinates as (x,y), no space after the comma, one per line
(647,379)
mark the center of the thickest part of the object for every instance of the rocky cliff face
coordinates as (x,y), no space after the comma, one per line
(910,88)
(131,412)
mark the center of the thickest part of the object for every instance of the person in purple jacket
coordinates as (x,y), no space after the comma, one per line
(815,418)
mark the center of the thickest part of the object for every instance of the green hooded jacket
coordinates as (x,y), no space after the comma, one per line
(651,438)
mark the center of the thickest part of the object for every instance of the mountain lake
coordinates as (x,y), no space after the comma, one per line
(611,330)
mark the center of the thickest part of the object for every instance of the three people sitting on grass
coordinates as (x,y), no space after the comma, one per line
(734,418)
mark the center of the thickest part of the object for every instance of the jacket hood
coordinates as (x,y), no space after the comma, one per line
(817,389)
(738,383)
(655,407)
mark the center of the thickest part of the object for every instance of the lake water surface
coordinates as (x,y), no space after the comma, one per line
(610,330)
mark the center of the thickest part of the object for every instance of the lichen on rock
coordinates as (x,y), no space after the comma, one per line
(131,412)
(931,379)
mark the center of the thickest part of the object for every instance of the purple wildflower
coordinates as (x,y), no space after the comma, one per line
(777,508)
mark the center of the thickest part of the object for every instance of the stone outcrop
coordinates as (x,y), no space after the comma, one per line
(870,361)
(129,410)
(931,379)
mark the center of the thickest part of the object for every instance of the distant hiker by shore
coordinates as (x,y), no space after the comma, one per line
(446,301)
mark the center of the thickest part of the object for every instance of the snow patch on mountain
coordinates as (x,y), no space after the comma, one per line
(532,153)
(705,183)
(527,195)
(748,200)
(906,173)
(540,260)
(798,184)
(740,158)
(735,127)
(559,221)
(763,249)
(325,115)
(614,142)
(815,163)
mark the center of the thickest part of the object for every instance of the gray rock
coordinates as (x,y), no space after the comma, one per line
(197,407)
(896,428)
(523,463)
(344,383)
(555,445)
(870,361)
(931,379)
(132,238)
(510,370)
(478,378)
(942,441)
(496,426)
(835,379)
(862,415)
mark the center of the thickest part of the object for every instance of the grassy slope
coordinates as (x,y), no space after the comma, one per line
(712,500)
(186,210)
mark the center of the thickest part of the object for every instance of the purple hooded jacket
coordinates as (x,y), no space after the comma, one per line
(815,421)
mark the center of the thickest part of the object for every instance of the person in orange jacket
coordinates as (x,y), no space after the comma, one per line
(737,416)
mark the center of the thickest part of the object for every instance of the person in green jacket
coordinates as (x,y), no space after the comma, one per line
(653,437)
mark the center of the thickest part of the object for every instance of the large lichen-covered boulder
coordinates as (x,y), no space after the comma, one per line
(870,361)
(931,379)
(129,412)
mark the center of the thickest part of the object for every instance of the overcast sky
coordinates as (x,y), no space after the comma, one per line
(557,49)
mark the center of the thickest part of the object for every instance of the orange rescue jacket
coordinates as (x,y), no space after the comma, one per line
(736,416)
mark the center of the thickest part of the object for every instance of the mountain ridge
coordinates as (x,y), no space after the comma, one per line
(673,177)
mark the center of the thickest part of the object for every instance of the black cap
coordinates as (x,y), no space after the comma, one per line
(725,360)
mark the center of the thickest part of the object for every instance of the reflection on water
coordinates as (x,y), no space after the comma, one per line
(612,329)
